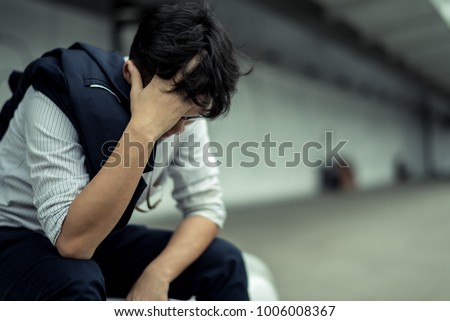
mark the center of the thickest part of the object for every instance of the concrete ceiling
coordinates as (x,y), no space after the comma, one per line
(410,33)
(411,30)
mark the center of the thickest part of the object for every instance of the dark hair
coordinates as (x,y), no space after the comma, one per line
(169,36)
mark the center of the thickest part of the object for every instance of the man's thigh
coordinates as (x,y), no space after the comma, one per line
(32,269)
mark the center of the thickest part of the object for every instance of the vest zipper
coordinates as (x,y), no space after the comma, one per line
(106,88)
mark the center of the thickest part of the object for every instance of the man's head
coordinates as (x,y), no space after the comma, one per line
(167,40)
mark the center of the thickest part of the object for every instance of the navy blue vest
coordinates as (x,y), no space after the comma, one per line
(71,79)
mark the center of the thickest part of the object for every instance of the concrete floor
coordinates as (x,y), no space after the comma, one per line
(389,244)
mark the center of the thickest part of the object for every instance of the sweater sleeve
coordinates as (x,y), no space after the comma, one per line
(197,189)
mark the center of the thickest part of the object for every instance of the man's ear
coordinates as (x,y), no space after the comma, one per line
(126,71)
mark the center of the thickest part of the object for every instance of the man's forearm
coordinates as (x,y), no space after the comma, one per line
(97,209)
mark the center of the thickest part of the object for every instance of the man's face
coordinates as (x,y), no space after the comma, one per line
(195,113)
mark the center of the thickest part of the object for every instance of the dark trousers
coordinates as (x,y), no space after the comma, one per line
(32,269)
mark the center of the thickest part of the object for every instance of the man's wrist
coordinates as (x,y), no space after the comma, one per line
(138,134)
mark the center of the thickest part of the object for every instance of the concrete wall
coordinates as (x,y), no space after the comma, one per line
(293,108)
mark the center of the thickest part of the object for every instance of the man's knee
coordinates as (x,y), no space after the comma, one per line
(224,254)
(224,275)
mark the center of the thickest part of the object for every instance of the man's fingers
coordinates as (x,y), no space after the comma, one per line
(166,85)
(136,80)
(190,66)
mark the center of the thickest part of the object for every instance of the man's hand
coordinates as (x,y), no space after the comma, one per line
(154,110)
(151,286)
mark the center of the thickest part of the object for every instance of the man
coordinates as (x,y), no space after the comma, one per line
(75,133)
